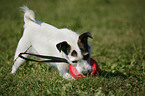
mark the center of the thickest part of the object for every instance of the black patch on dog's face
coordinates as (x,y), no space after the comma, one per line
(83,45)
(64,46)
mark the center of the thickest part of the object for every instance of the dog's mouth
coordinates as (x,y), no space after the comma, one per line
(88,73)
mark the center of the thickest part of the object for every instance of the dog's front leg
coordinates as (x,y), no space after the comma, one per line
(64,71)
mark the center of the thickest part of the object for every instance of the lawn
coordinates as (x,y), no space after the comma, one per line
(118,45)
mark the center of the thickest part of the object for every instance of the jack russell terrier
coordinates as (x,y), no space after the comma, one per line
(42,38)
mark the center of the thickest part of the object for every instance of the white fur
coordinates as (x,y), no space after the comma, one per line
(41,38)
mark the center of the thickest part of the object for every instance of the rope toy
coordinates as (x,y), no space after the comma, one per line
(73,71)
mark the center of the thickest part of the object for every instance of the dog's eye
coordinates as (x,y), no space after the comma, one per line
(74,61)
(74,53)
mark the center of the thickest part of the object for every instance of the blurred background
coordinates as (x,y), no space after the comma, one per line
(118,44)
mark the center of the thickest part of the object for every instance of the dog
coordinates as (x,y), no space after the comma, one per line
(44,39)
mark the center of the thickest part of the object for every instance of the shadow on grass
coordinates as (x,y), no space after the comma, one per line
(106,74)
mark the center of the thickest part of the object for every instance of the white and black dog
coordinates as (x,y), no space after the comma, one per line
(48,40)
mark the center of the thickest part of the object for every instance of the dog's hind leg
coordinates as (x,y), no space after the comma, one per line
(23,46)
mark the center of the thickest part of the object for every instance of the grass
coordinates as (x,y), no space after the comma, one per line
(118,28)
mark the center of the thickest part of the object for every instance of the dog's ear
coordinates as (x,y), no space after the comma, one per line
(64,46)
(85,36)
(83,42)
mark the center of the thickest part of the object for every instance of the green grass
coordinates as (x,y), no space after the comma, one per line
(118,29)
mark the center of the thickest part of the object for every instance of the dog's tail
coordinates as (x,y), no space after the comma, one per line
(28,15)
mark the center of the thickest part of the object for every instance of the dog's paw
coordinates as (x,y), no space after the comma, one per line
(68,76)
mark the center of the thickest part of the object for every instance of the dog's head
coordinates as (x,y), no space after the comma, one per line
(78,54)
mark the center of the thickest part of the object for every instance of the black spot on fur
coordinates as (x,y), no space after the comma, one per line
(64,46)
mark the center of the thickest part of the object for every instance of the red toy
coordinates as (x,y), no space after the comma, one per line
(74,73)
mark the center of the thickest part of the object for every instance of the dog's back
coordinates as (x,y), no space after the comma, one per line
(43,34)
